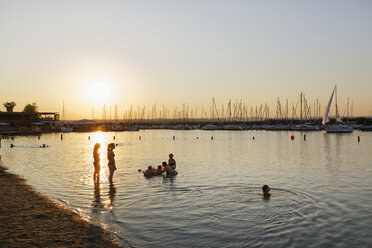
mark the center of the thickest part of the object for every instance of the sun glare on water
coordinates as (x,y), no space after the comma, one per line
(98,137)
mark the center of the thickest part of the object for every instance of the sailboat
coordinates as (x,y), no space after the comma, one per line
(339,127)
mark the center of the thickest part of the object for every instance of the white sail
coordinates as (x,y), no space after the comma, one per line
(326,119)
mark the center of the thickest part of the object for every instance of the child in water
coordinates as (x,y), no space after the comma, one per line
(265,191)
(170,171)
(172,162)
(160,170)
(149,169)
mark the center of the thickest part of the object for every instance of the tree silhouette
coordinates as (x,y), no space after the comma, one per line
(9,106)
(30,108)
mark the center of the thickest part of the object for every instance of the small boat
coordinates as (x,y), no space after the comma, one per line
(211,127)
(366,128)
(66,129)
(339,127)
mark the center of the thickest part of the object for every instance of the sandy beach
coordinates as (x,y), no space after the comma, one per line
(29,219)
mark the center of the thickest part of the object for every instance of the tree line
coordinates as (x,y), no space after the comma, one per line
(29,108)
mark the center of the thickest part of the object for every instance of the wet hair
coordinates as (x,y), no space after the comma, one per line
(265,188)
(164,164)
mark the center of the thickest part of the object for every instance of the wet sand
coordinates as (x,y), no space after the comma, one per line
(29,219)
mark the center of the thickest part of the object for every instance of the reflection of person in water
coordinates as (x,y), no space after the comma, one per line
(112,194)
(97,162)
(97,203)
(265,192)
(111,160)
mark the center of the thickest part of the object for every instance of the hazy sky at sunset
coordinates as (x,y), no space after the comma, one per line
(175,52)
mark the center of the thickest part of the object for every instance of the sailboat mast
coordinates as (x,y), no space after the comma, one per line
(337,114)
(301,108)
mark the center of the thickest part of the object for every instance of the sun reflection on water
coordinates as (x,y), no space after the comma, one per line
(98,137)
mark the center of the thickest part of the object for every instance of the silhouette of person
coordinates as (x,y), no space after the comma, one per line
(97,162)
(172,162)
(111,160)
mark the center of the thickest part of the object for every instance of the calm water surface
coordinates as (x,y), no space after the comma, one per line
(321,188)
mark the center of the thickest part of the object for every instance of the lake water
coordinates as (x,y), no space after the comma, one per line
(321,188)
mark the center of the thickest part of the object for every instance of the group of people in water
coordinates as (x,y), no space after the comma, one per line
(97,161)
(169,169)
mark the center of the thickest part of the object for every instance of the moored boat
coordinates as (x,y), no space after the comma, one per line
(339,127)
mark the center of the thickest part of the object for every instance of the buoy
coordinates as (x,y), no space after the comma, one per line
(292,137)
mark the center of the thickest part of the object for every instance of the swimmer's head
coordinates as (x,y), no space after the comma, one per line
(265,189)
(111,146)
(149,167)
(164,164)
(171,155)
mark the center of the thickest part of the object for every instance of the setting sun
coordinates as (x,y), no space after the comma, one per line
(98,90)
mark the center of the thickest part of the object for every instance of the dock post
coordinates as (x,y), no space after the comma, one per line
(61,136)
(38,137)
(212,138)
(358,139)
(139,137)
(113,137)
(304,137)
(174,137)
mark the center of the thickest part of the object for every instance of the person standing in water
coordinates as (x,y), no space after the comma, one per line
(171,161)
(97,162)
(111,160)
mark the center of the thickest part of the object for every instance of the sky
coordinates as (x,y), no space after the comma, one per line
(93,53)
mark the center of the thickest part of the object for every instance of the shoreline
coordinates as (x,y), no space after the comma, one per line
(29,219)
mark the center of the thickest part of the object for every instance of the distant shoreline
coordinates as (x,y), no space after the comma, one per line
(29,219)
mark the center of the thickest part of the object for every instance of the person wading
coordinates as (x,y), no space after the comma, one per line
(111,160)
